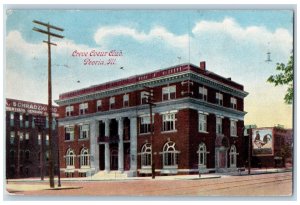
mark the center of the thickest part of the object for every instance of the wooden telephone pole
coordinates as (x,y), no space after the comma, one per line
(49,34)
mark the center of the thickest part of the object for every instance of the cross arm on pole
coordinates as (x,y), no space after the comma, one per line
(46,32)
(47,25)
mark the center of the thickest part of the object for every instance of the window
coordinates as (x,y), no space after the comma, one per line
(12,117)
(21,120)
(70,158)
(47,122)
(144,97)
(169,93)
(47,140)
(233,128)
(69,111)
(27,155)
(232,155)
(47,155)
(219,98)
(233,103)
(99,105)
(12,156)
(146,155)
(203,93)
(202,158)
(112,103)
(145,126)
(21,136)
(83,108)
(27,137)
(12,137)
(84,158)
(69,133)
(169,120)
(170,155)
(53,124)
(126,100)
(26,121)
(39,139)
(32,123)
(202,122)
(219,125)
(84,131)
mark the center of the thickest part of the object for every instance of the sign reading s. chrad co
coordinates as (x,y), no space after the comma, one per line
(262,142)
(29,107)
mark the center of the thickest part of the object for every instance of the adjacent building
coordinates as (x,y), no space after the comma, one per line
(27,139)
(198,121)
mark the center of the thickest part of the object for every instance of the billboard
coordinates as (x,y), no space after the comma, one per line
(262,142)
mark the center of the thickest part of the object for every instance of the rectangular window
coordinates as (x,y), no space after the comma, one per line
(126,100)
(99,105)
(26,121)
(69,111)
(169,120)
(219,98)
(169,93)
(47,122)
(202,122)
(203,93)
(233,128)
(39,139)
(32,123)
(69,133)
(84,131)
(27,136)
(12,117)
(47,140)
(53,124)
(219,125)
(233,103)
(112,103)
(144,97)
(21,120)
(83,108)
(145,126)
(21,137)
(12,137)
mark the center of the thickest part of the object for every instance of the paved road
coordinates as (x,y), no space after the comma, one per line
(278,184)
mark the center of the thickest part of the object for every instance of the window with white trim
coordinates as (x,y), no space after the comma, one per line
(219,98)
(202,152)
(12,137)
(99,105)
(145,125)
(203,93)
(84,131)
(169,120)
(233,128)
(144,97)
(112,102)
(70,158)
(202,122)
(233,103)
(146,155)
(84,158)
(169,92)
(126,100)
(69,110)
(233,156)
(69,133)
(219,125)
(83,108)
(12,117)
(170,155)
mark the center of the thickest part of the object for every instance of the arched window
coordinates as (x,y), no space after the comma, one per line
(84,158)
(70,158)
(232,155)
(146,155)
(170,155)
(202,152)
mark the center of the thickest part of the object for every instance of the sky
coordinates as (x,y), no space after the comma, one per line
(233,43)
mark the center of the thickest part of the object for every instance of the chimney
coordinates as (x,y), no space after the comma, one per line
(202,65)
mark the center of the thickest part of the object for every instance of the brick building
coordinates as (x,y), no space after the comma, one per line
(198,124)
(27,141)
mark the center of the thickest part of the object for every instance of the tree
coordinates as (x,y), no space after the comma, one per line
(285,78)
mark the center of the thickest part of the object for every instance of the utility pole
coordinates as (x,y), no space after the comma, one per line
(49,43)
(150,101)
(249,150)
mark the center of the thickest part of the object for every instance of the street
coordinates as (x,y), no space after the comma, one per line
(274,184)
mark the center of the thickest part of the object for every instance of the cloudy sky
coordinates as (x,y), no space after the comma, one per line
(233,43)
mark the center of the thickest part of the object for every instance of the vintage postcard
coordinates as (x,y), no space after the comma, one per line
(149,102)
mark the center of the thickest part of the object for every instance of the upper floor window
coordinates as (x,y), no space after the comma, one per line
(53,124)
(69,133)
(203,93)
(12,117)
(12,137)
(233,103)
(144,97)
(126,100)
(39,139)
(69,110)
(145,126)
(47,140)
(112,102)
(219,98)
(169,120)
(26,121)
(21,120)
(47,122)
(27,137)
(169,92)
(21,137)
(84,131)
(83,108)
(219,125)
(203,122)
(32,122)
(99,105)
(233,128)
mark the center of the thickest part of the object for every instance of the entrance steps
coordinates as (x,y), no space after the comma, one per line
(110,175)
